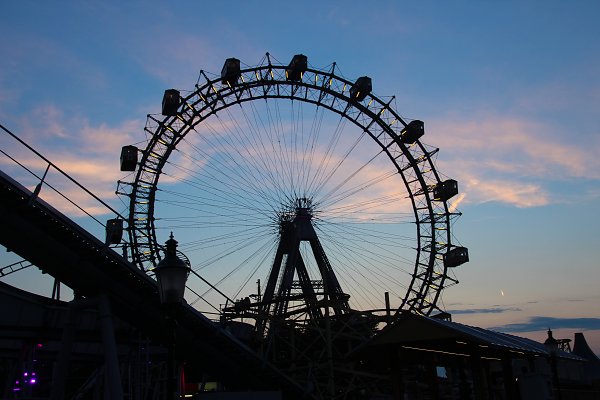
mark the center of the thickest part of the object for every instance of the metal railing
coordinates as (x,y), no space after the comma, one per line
(58,189)
(14,267)
(25,164)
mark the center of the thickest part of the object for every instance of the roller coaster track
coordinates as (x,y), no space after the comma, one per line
(40,234)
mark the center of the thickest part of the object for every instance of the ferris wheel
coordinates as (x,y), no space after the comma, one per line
(262,167)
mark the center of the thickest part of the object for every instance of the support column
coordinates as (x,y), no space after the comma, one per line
(59,377)
(112,389)
(510,386)
(479,378)
(112,384)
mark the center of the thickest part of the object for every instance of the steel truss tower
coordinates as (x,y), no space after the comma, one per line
(317,298)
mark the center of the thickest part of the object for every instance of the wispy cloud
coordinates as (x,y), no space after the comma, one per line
(491,310)
(511,160)
(88,153)
(174,54)
(508,191)
(455,203)
(540,323)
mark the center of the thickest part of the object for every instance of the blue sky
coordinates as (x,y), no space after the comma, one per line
(509,91)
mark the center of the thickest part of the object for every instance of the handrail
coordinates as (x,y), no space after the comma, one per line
(50,163)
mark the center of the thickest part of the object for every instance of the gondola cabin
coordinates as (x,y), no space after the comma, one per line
(171,101)
(114,231)
(412,132)
(455,257)
(296,68)
(361,88)
(230,73)
(445,190)
(129,158)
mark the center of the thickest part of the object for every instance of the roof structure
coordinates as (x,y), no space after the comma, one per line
(419,332)
(582,349)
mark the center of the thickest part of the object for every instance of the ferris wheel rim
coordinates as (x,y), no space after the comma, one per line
(213,96)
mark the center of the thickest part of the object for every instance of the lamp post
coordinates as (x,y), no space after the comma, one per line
(171,273)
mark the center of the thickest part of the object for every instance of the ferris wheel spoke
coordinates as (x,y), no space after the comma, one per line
(265,251)
(355,271)
(223,187)
(361,209)
(210,243)
(250,155)
(233,246)
(356,188)
(310,149)
(240,265)
(261,148)
(242,167)
(372,248)
(318,181)
(227,163)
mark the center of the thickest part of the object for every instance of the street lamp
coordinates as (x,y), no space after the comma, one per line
(171,273)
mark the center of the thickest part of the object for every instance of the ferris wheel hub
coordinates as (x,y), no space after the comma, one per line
(304,207)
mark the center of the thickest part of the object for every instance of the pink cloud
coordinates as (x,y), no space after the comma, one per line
(510,160)
(505,144)
(88,153)
(511,192)
(455,203)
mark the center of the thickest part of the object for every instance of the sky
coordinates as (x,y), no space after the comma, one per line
(508,90)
